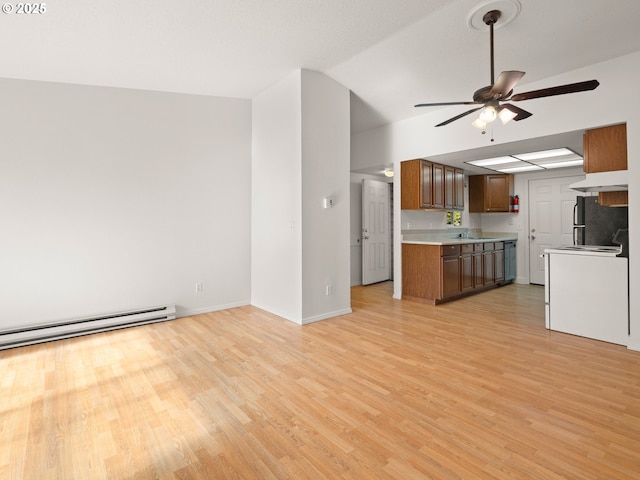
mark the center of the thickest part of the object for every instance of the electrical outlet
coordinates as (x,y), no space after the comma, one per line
(199,287)
(329,290)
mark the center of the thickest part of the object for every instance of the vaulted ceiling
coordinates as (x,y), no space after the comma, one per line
(391,54)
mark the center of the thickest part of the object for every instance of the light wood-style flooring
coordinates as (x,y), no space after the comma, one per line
(472,389)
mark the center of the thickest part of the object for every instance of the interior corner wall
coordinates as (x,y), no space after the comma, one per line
(276,203)
(301,147)
(115,199)
(325,175)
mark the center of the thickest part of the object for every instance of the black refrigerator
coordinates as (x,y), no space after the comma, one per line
(594,224)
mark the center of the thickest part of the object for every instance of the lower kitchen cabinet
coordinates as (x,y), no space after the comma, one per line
(478,270)
(450,276)
(466,268)
(437,273)
(488,266)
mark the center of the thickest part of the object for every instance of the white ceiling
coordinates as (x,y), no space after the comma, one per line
(392,54)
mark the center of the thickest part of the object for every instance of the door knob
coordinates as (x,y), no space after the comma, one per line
(532,237)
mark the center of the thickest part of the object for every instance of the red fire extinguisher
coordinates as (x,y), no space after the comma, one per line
(516,204)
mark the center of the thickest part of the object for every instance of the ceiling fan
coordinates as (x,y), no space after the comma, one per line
(491,98)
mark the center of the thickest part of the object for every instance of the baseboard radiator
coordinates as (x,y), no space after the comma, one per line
(84,326)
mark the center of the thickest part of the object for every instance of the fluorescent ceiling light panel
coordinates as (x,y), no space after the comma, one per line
(491,161)
(557,152)
(524,168)
(564,163)
(525,162)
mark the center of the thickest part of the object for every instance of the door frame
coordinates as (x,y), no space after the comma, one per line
(576,176)
(366,233)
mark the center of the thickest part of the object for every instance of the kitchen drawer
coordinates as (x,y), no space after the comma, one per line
(466,247)
(498,246)
(478,247)
(448,250)
(489,246)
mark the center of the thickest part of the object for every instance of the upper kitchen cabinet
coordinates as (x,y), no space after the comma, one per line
(438,186)
(605,149)
(454,188)
(428,185)
(416,184)
(490,193)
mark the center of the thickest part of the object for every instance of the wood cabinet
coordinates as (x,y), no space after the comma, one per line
(614,199)
(428,185)
(438,185)
(458,184)
(451,273)
(437,273)
(478,268)
(466,267)
(416,185)
(605,149)
(493,263)
(453,188)
(490,193)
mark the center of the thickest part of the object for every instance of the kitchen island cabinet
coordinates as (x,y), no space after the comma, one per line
(438,273)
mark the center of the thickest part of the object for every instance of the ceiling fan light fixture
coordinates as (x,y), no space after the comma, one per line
(479,124)
(488,114)
(506,115)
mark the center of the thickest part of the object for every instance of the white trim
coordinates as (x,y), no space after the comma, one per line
(325,316)
(180,313)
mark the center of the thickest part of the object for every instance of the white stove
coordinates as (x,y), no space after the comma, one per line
(587,292)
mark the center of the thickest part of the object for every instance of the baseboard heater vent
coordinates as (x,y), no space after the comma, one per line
(84,326)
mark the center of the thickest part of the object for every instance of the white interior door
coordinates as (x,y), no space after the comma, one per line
(376,232)
(551,204)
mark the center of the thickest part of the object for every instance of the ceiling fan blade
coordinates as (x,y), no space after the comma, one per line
(505,83)
(520,113)
(442,104)
(446,122)
(559,90)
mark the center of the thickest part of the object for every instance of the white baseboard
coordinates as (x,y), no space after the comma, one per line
(182,312)
(633,347)
(325,316)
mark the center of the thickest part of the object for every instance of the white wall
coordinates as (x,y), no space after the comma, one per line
(114,199)
(326,150)
(276,204)
(301,148)
(417,137)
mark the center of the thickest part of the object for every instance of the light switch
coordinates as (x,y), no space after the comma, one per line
(327,202)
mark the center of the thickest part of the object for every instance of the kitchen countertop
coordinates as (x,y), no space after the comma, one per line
(439,239)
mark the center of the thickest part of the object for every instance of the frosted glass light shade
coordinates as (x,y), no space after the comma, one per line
(488,114)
